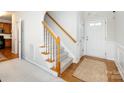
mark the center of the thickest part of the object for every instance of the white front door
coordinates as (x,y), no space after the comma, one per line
(95,38)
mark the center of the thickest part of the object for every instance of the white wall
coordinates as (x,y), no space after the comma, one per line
(120,41)
(68,20)
(32,35)
(120,27)
(5,21)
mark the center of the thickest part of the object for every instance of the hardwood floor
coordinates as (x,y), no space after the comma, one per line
(8,54)
(112,71)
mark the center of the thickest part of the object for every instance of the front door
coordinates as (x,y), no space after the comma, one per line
(95,38)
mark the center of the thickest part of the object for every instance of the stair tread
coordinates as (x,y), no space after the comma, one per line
(66,61)
(63,56)
(64,53)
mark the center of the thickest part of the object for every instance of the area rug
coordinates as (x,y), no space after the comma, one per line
(2,57)
(91,71)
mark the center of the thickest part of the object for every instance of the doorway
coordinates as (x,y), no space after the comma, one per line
(6,37)
(10,36)
(95,35)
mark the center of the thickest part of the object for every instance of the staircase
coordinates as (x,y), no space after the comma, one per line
(65,59)
(53,52)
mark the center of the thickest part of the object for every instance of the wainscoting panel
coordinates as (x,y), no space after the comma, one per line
(120,59)
(110,50)
(31,51)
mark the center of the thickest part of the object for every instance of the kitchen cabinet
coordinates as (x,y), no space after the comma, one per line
(1,25)
(7,28)
(8,42)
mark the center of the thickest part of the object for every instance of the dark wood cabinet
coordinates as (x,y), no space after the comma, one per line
(1,25)
(7,28)
(8,42)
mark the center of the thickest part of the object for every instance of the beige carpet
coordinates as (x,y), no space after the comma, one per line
(91,71)
(2,57)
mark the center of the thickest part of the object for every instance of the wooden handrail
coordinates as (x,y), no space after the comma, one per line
(61,27)
(49,30)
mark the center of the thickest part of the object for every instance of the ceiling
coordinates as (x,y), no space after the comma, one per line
(6,16)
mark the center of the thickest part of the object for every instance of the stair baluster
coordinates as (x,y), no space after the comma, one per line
(44,36)
(46,42)
(52,47)
(48,46)
(55,53)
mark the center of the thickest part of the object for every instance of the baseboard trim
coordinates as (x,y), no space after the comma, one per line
(76,61)
(120,69)
(98,58)
(53,73)
(117,59)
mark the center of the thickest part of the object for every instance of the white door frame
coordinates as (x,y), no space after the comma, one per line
(85,41)
(81,39)
(16,35)
(19,38)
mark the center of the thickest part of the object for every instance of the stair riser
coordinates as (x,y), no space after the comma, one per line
(44,49)
(62,51)
(63,68)
(63,58)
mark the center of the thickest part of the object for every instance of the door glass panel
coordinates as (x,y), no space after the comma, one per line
(96,24)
